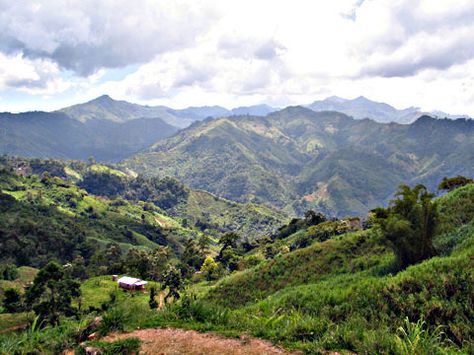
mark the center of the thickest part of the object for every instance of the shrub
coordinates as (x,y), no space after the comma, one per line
(210,269)
(113,320)
(450,184)
(409,224)
(12,301)
(8,272)
(321,233)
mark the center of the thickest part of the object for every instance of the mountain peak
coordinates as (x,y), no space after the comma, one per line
(424,119)
(362,99)
(102,98)
(335,99)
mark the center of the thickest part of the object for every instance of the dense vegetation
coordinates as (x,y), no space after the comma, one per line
(341,289)
(57,135)
(46,218)
(193,208)
(298,159)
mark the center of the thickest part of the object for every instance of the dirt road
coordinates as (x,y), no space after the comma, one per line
(178,341)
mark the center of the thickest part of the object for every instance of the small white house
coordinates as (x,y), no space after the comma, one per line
(131,283)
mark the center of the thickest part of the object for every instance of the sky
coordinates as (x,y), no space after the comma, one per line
(177,53)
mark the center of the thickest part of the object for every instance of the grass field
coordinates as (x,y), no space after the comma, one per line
(97,290)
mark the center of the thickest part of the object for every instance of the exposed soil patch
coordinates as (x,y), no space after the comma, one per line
(162,222)
(178,341)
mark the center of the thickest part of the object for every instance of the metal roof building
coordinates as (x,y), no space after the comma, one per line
(131,283)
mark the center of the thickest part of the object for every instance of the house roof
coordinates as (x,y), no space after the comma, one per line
(127,280)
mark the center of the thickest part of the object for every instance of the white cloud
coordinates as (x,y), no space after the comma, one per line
(246,52)
(402,38)
(30,76)
(86,35)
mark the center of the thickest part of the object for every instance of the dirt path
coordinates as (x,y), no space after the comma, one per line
(178,341)
(14,328)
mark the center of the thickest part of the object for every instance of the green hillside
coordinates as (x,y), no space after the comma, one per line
(45,218)
(195,208)
(296,159)
(341,291)
(57,135)
(343,294)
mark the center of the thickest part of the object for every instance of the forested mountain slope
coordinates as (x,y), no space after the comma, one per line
(56,135)
(107,129)
(297,159)
(194,209)
(106,108)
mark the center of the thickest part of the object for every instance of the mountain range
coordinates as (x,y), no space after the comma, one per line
(107,129)
(295,159)
(362,107)
(291,159)
(106,108)
(112,130)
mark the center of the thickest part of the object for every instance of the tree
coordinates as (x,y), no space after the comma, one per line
(409,223)
(271,250)
(8,272)
(12,301)
(51,294)
(229,240)
(91,160)
(450,184)
(171,279)
(77,270)
(159,259)
(248,245)
(191,256)
(152,302)
(138,262)
(230,259)
(45,178)
(210,269)
(228,255)
(203,244)
(312,218)
(108,260)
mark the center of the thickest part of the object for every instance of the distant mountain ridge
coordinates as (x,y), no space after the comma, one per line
(106,108)
(361,107)
(297,159)
(108,129)
(112,130)
(56,135)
